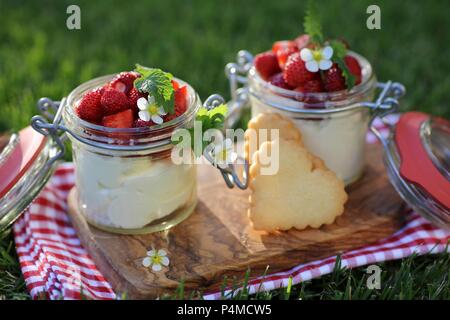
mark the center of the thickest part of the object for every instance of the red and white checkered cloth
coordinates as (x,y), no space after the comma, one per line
(56,266)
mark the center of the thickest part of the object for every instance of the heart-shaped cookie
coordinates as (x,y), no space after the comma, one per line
(304,192)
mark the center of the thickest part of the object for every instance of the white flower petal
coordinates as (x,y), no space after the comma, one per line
(142,103)
(151,100)
(162,252)
(312,66)
(156,267)
(165,261)
(151,253)
(161,111)
(144,115)
(306,54)
(325,64)
(327,52)
(147,262)
(157,119)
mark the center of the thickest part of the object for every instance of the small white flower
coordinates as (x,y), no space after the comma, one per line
(317,59)
(156,259)
(149,110)
(224,154)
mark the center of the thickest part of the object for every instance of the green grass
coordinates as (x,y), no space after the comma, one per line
(194,40)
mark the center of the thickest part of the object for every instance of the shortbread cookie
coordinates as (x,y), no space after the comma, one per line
(254,138)
(303,193)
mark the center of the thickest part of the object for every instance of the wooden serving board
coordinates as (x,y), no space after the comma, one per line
(217,240)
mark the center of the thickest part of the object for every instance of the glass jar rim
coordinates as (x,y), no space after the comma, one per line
(171,125)
(368,82)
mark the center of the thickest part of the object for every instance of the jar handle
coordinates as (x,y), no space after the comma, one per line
(386,103)
(230,172)
(41,124)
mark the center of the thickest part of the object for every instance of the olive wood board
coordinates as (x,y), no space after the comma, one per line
(217,240)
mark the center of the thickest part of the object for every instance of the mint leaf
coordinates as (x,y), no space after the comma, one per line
(312,23)
(350,79)
(210,119)
(158,84)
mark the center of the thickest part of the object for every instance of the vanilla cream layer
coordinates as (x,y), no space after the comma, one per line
(130,193)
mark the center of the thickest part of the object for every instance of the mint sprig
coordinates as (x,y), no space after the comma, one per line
(158,84)
(312,23)
(339,53)
(210,119)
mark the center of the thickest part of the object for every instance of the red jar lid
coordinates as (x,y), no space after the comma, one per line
(423,163)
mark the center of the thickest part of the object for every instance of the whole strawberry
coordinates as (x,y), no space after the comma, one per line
(311,86)
(333,79)
(133,97)
(278,80)
(354,68)
(90,108)
(283,55)
(123,82)
(139,123)
(295,73)
(266,64)
(113,101)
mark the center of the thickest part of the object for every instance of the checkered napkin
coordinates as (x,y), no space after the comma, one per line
(56,266)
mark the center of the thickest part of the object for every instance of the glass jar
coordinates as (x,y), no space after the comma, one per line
(125,179)
(333,125)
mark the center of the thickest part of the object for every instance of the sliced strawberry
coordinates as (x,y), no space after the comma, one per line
(283,45)
(266,64)
(122,119)
(113,102)
(175,84)
(123,82)
(90,108)
(302,41)
(283,55)
(181,102)
(354,68)
(295,72)
(278,80)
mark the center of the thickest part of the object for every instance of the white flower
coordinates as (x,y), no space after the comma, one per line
(156,259)
(224,154)
(317,59)
(149,110)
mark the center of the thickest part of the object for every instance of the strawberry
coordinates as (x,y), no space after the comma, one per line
(139,123)
(283,55)
(333,79)
(283,45)
(278,80)
(295,73)
(302,41)
(113,102)
(181,101)
(133,97)
(123,82)
(122,119)
(354,68)
(90,108)
(266,64)
(311,86)
(175,84)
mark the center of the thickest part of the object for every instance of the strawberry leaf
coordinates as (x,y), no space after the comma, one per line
(158,84)
(350,79)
